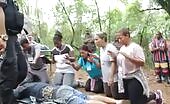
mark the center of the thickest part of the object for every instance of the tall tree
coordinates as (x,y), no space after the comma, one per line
(165,4)
(71,24)
(98,15)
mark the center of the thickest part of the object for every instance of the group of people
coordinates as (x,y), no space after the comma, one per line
(118,72)
(160,49)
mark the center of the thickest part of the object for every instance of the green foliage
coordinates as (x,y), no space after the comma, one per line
(143,24)
(165,4)
(114,19)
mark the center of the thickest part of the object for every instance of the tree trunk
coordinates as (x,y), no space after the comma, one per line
(98,14)
(71,24)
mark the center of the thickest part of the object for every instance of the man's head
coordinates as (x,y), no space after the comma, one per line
(25,44)
(100,39)
(159,35)
(57,39)
(124,36)
(84,51)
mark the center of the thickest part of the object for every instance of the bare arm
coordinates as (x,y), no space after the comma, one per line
(71,56)
(98,65)
(136,61)
(113,71)
(2,21)
(37,55)
(2,30)
(92,58)
(74,65)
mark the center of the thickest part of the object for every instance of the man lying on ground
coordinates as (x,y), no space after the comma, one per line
(59,94)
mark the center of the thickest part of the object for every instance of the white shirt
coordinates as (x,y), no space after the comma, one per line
(134,51)
(61,60)
(128,70)
(106,60)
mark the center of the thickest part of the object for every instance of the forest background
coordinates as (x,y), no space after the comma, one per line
(76,18)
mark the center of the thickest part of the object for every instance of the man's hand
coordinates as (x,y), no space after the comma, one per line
(72,59)
(113,55)
(90,59)
(2,46)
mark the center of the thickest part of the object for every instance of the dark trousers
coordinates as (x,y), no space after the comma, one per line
(133,92)
(9,71)
(108,90)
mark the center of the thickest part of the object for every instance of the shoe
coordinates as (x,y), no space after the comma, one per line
(159,98)
(159,81)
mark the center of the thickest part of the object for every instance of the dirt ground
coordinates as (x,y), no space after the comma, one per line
(152,83)
(81,75)
(162,86)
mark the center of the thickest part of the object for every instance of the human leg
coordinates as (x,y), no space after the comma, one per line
(42,75)
(88,85)
(98,86)
(94,102)
(8,97)
(116,94)
(135,91)
(9,72)
(165,71)
(157,96)
(58,79)
(107,89)
(104,99)
(158,71)
(68,79)
(22,64)
(69,95)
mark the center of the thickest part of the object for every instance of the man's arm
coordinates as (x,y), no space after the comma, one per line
(2,30)
(37,54)
(2,21)
(113,71)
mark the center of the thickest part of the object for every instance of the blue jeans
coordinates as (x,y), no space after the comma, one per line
(60,94)
(68,95)
(64,79)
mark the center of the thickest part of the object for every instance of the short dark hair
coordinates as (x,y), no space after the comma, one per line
(102,35)
(158,33)
(85,48)
(57,35)
(24,41)
(125,32)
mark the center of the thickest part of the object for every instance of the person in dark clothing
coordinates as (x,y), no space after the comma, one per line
(13,60)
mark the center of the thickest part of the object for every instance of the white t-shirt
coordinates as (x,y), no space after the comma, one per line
(61,60)
(106,59)
(134,51)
